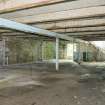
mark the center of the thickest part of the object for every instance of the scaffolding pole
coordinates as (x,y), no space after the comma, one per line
(73,50)
(86,52)
(4,52)
(79,53)
(57,54)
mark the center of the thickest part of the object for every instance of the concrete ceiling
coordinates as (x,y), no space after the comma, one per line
(83,19)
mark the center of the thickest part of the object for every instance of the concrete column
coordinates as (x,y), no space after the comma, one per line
(57,54)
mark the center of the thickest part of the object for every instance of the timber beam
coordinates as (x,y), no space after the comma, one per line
(62,15)
(4,23)
(47,7)
(72,23)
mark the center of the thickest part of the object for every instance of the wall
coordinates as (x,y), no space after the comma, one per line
(85,52)
(100,55)
(93,52)
(22,50)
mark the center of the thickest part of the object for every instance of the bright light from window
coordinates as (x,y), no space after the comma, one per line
(100,44)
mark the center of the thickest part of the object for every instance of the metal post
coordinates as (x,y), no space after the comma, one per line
(39,50)
(86,51)
(7,60)
(57,54)
(79,56)
(3,52)
(73,49)
(43,46)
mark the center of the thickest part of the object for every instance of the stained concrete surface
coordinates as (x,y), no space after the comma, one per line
(33,87)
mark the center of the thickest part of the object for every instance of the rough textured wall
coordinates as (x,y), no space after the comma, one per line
(22,50)
(88,52)
(100,55)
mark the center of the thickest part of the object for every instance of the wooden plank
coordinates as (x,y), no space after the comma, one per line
(72,29)
(92,35)
(68,30)
(78,34)
(11,6)
(94,38)
(80,29)
(83,26)
(16,34)
(4,30)
(72,23)
(85,33)
(83,29)
(4,23)
(53,8)
(72,14)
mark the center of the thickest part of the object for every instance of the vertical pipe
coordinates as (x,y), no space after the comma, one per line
(57,54)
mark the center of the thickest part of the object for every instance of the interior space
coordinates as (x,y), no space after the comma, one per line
(52,52)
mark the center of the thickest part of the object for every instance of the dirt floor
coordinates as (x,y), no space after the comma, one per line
(73,85)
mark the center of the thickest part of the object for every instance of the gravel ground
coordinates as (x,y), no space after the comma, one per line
(27,87)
